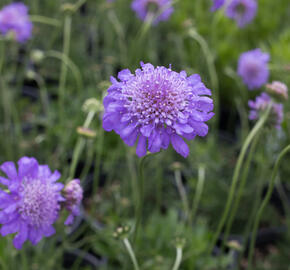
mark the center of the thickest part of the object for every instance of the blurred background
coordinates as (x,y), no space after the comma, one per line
(74,49)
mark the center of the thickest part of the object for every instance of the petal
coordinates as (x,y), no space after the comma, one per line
(165,139)
(9,169)
(154,142)
(27,167)
(141,146)
(128,130)
(4,181)
(146,130)
(54,177)
(200,128)
(179,145)
(130,140)
(43,171)
(125,75)
(9,228)
(47,232)
(21,237)
(34,235)
(69,220)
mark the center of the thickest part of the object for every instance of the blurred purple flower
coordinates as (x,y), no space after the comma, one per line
(158,106)
(253,68)
(260,105)
(14,18)
(73,194)
(242,11)
(31,203)
(143,8)
(217,4)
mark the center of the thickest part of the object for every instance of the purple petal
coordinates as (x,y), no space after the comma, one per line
(21,237)
(141,146)
(179,145)
(27,167)
(9,169)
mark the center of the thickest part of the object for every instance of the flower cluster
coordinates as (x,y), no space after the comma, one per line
(242,11)
(261,104)
(14,19)
(31,202)
(157,106)
(160,8)
(253,68)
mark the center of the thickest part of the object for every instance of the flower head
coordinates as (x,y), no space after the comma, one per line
(217,4)
(163,8)
(31,202)
(253,68)
(157,106)
(278,89)
(14,18)
(73,194)
(260,105)
(242,11)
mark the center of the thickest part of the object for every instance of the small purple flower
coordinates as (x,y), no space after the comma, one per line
(242,11)
(260,105)
(157,106)
(142,8)
(14,18)
(31,202)
(217,4)
(253,68)
(73,194)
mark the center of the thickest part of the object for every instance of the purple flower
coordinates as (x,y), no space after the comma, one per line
(14,18)
(157,106)
(163,8)
(73,194)
(30,203)
(217,4)
(242,11)
(260,105)
(253,68)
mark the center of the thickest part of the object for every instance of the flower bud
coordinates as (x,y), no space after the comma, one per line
(278,90)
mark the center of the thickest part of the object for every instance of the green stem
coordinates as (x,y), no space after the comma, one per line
(211,68)
(182,192)
(264,204)
(131,253)
(79,146)
(178,258)
(245,146)
(241,188)
(63,71)
(198,192)
(44,20)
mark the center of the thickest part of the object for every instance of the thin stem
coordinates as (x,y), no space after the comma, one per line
(178,258)
(211,68)
(241,187)
(131,253)
(79,146)
(198,192)
(63,72)
(264,203)
(139,208)
(245,146)
(44,20)
(182,192)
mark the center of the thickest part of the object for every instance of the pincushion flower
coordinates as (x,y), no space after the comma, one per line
(143,8)
(253,68)
(157,106)
(73,194)
(14,18)
(30,203)
(217,4)
(261,104)
(242,11)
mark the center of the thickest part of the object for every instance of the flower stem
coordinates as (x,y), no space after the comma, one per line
(79,146)
(63,72)
(139,207)
(44,20)
(245,146)
(264,204)
(198,192)
(182,193)
(131,253)
(241,188)
(178,258)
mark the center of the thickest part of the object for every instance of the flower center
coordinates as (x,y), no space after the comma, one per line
(39,206)
(240,8)
(159,100)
